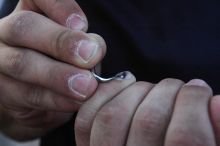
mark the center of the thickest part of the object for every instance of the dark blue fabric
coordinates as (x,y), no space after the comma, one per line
(159,39)
(7,7)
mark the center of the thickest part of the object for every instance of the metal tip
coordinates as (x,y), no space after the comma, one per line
(119,76)
(122,75)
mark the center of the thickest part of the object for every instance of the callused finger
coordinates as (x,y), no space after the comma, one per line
(65,12)
(34,31)
(19,95)
(153,115)
(112,122)
(190,124)
(87,113)
(37,69)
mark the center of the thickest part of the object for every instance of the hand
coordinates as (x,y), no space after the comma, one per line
(45,57)
(168,113)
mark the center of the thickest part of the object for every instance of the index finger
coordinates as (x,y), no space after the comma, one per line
(65,12)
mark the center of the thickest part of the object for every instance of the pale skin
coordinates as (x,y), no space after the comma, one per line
(44,65)
(45,77)
(170,113)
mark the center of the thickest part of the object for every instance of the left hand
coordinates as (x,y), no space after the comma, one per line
(166,114)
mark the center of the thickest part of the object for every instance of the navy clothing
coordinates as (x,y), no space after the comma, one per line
(155,40)
(159,39)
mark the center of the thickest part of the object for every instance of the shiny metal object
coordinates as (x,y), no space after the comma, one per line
(119,76)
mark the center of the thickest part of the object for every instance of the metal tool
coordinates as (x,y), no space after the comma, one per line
(119,76)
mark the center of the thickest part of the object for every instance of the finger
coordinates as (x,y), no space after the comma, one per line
(152,116)
(112,122)
(16,96)
(34,31)
(190,124)
(215,108)
(34,68)
(87,113)
(65,12)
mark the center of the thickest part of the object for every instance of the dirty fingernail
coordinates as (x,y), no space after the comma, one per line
(75,22)
(79,84)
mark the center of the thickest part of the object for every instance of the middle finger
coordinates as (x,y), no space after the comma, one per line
(190,124)
(112,122)
(152,116)
(34,31)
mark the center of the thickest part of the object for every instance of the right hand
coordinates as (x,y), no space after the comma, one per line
(45,58)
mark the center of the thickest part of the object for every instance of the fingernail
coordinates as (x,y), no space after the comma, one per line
(86,50)
(75,22)
(197,82)
(79,84)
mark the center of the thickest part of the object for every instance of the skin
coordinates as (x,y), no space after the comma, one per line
(44,66)
(170,113)
(41,66)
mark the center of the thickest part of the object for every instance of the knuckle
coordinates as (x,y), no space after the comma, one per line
(145,85)
(55,5)
(151,121)
(34,96)
(170,85)
(53,73)
(81,125)
(196,91)
(16,63)
(83,120)
(108,116)
(184,138)
(20,23)
(180,140)
(59,42)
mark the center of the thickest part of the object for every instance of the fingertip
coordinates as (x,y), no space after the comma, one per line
(77,22)
(82,85)
(197,82)
(200,83)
